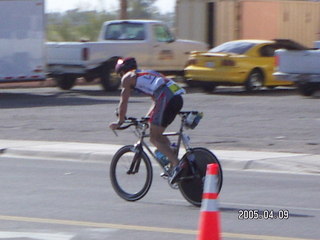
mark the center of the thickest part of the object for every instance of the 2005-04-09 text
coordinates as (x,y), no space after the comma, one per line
(255,214)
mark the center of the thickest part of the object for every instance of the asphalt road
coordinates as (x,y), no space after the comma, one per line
(59,200)
(269,120)
(74,200)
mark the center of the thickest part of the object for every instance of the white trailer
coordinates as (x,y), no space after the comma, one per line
(22,40)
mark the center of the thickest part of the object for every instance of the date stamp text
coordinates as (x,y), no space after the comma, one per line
(255,214)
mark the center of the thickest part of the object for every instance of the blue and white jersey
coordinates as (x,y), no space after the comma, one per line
(149,82)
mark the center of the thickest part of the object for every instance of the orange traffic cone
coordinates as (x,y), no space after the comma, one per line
(209,224)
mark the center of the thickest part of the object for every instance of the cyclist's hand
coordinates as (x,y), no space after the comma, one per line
(114,125)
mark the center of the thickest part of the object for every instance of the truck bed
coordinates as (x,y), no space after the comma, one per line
(299,62)
(301,67)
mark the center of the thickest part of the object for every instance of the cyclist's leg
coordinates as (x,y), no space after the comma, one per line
(163,115)
(162,143)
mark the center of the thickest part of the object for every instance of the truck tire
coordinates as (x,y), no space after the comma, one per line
(110,81)
(65,82)
(306,89)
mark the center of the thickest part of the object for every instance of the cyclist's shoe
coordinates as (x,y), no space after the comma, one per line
(176,173)
(167,173)
(164,175)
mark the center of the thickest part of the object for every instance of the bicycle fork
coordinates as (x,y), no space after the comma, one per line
(135,164)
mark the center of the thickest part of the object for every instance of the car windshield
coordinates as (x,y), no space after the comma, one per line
(233,47)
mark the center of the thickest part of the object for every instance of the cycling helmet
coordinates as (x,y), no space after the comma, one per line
(126,64)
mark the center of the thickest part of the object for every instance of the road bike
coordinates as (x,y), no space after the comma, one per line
(131,170)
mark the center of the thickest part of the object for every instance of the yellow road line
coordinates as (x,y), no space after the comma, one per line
(138,228)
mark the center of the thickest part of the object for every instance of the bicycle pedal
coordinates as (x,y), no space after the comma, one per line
(174,186)
(164,175)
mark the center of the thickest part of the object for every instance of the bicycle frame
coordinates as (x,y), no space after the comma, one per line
(190,182)
(141,132)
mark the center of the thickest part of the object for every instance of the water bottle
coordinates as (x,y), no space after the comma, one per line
(193,120)
(162,158)
(197,119)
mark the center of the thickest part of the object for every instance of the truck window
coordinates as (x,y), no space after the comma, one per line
(125,31)
(162,33)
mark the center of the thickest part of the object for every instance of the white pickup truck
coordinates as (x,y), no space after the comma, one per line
(149,41)
(301,67)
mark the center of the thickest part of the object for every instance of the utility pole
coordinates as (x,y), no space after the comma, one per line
(123,9)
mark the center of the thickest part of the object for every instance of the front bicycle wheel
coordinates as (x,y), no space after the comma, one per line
(192,181)
(131,173)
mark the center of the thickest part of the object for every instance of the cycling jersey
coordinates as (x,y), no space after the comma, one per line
(149,82)
(166,94)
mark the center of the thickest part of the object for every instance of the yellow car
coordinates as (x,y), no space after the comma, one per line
(242,62)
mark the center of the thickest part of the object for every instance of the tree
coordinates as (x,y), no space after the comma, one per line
(76,25)
(123,9)
(143,9)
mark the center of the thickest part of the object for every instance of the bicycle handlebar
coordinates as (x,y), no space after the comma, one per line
(131,121)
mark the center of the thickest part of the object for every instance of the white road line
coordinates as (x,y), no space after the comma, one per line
(36,235)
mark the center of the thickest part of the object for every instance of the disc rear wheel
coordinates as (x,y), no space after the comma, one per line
(191,185)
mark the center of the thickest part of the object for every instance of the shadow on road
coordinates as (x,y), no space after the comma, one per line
(18,98)
(70,98)
(263,213)
(238,91)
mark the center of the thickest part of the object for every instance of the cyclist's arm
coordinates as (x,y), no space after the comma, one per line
(127,83)
(123,105)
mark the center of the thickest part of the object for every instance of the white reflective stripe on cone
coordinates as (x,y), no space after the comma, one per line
(210,184)
(209,205)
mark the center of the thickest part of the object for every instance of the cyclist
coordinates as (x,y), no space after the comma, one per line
(167,102)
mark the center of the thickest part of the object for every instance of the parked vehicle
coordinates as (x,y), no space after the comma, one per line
(24,55)
(22,37)
(149,41)
(249,63)
(302,67)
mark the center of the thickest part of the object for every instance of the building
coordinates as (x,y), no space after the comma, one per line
(217,21)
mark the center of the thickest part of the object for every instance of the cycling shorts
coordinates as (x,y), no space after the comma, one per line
(167,106)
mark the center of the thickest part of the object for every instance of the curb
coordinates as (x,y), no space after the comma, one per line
(230,159)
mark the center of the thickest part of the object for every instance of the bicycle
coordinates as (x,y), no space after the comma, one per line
(131,170)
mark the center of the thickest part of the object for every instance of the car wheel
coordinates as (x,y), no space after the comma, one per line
(306,89)
(209,87)
(110,81)
(271,87)
(66,81)
(254,81)
(191,83)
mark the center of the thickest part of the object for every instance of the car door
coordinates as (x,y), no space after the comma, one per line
(164,56)
(129,39)
(268,55)
(268,62)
